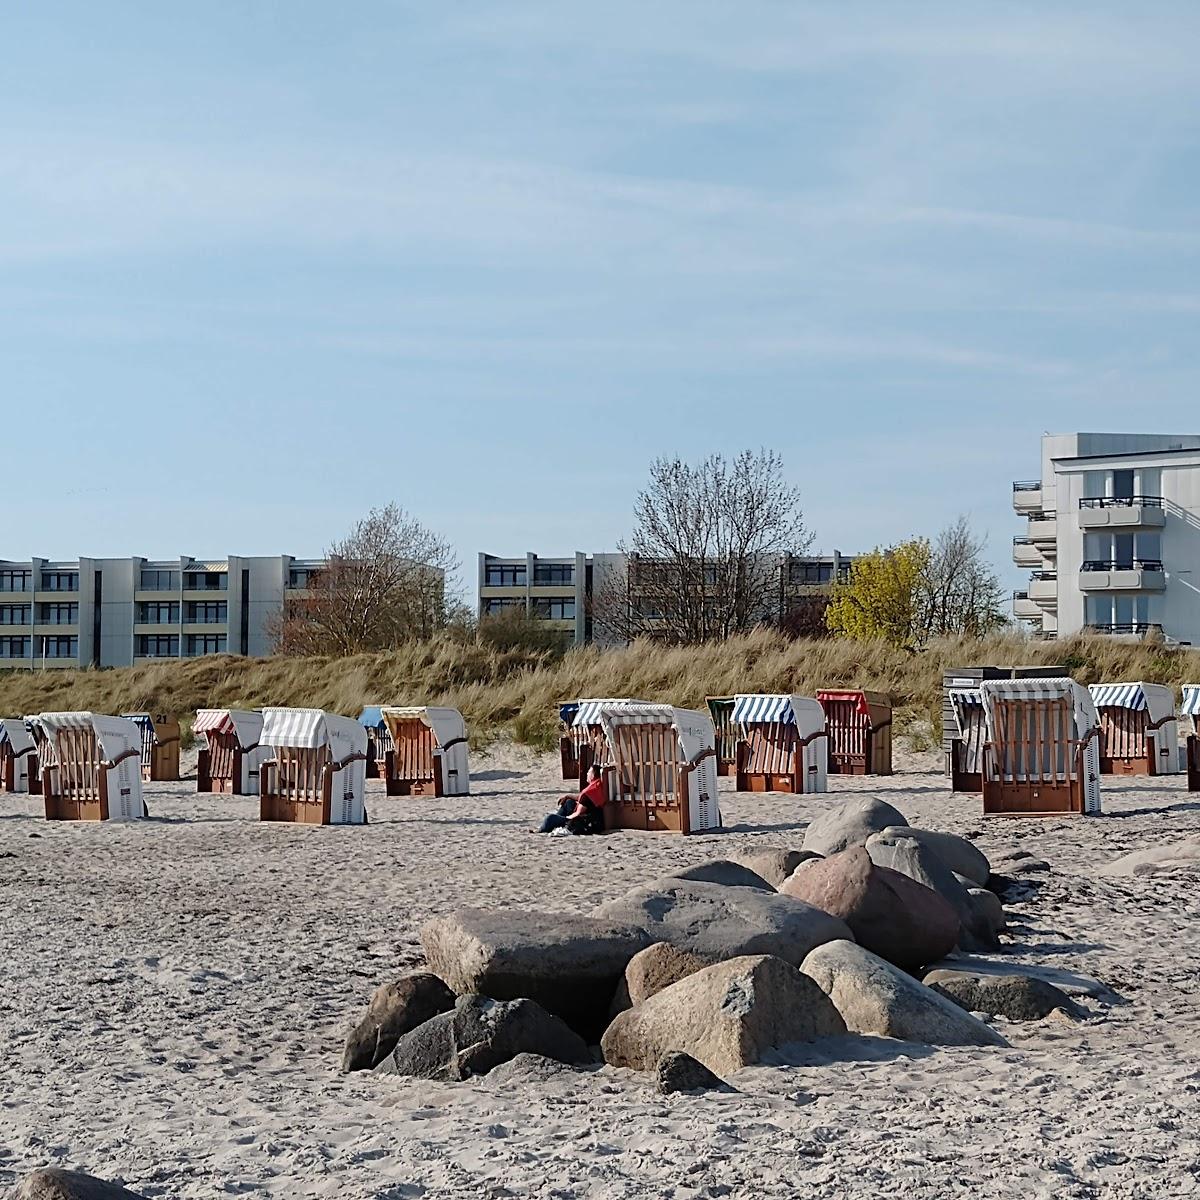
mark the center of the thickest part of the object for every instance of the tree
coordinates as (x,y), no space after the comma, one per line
(962,594)
(883,596)
(382,585)
(703,561)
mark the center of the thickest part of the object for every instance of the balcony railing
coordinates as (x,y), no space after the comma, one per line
(1121,502)
(1022,541)
(1136,564)
(1027,485)
(1020,595)
(1130,627)
(1044,576)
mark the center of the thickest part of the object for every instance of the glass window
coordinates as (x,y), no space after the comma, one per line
(205,581)
(1098,610)
(60,581)
(58,614)
(1122,552)
(1149,481)
(1149,547)
(555,609)
(500,575)
(205,643)
(553,573)
(59,647)
(158,645)
(155,580)
(1122,484)
(300,577)
(15,581)
(158,612)
(15,647)
(14,614)
(1094,483)
(207,612)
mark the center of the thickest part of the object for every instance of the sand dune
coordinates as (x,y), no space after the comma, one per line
(176,992)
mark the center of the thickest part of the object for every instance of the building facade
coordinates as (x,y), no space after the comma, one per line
(1112,537)
(115,612)
(564,591)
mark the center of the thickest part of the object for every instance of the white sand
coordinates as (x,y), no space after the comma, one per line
(176,992)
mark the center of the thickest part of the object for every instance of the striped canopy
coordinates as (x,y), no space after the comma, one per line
(296,728)
(859,699)
(1191,700)
(13,731)
(53,722)
(1053,688)
(447,723)
(588,712)
(967,704)
(748,709)
(1118,695)
(142,720)
(246,725)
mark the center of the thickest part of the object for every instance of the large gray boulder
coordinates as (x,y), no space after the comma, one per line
(717,922)
(774,865)
(889,913)
(393,1010)
(1017,997)
(989,912)
(571,965)
(53,1183)
(478,1034)
(873,996)
(723,871)
(727,1016)
(916,860)
(961,856)
(850,824)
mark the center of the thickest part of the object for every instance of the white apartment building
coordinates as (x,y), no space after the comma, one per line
(115,612)
(1112,536)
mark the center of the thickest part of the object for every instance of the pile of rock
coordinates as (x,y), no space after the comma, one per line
(701,973)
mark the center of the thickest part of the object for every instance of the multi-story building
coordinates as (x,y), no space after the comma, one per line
(115,612)
(1112,536)
(565,591)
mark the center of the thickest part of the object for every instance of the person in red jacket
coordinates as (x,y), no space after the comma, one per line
(583,813)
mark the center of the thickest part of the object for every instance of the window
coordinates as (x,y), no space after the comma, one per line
(1122,551)
(60,581)
(158,645)
(205,643)
(15,647)
(492,608)
(549,574)
(154,580)
(158,612)
(811,572)
(301,577)
(207,612)
(59,647)
(15,581)
(58,614)
(1122,485)
(1118,614)
(14,614)
(498,575)
(205,581)
(555,609)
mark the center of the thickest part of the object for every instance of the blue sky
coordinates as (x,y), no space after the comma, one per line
(486,260)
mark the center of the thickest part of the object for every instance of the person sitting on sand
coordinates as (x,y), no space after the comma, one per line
(583,813)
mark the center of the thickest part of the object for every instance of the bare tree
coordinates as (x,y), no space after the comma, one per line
(382,585)
(704,558)
(961,593)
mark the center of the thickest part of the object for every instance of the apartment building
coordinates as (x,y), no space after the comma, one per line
(563,591)
(115,612)
(1112,536)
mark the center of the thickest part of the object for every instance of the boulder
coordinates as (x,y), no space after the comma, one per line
(722,871)
(1017,997)
(480,1033)
(875,997)
(657,967)
(393,1010)
(679,1072)
(569,964)
(850,824)
(727,1016)
(960,855)
(912,858)
(773,865)
(717,922)
(989,911)
(52,1183)
(893,916)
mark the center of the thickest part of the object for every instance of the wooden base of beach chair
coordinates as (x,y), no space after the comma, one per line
(296,788)
(1127,766)
(427,784)
(1032,799)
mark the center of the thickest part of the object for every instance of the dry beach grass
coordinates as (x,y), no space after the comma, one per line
(176,992)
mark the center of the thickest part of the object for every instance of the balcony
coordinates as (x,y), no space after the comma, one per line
(1122,512)
(1135,631)
(1139,575)
(1025,609)
(1025,553)
(1043,529)
(1043,588)
(1027,496)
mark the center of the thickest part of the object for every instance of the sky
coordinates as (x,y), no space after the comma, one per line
(264,266)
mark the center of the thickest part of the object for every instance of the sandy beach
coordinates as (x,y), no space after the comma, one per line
(176,993)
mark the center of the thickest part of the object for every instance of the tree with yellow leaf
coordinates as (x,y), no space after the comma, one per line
(884,596)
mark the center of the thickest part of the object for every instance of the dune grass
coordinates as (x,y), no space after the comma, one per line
(518,690)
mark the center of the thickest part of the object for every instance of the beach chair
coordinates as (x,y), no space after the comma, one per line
(860,731)
(1042,753)
(782,744)
(661,769)
(316,772)
(233,754)
(1139,734)
(160,746)
(966,746)
(720,708)
(430,755)
(379,740)
(568,745)
(90,766)
(591,746)
(18,757)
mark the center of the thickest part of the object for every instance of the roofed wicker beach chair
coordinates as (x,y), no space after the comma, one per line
(160,746)
(317,770)
(782,744)
(966,746)
(1139,734)
(430,755)
(233,755)
(91,766)
(18,758)
(860,731)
